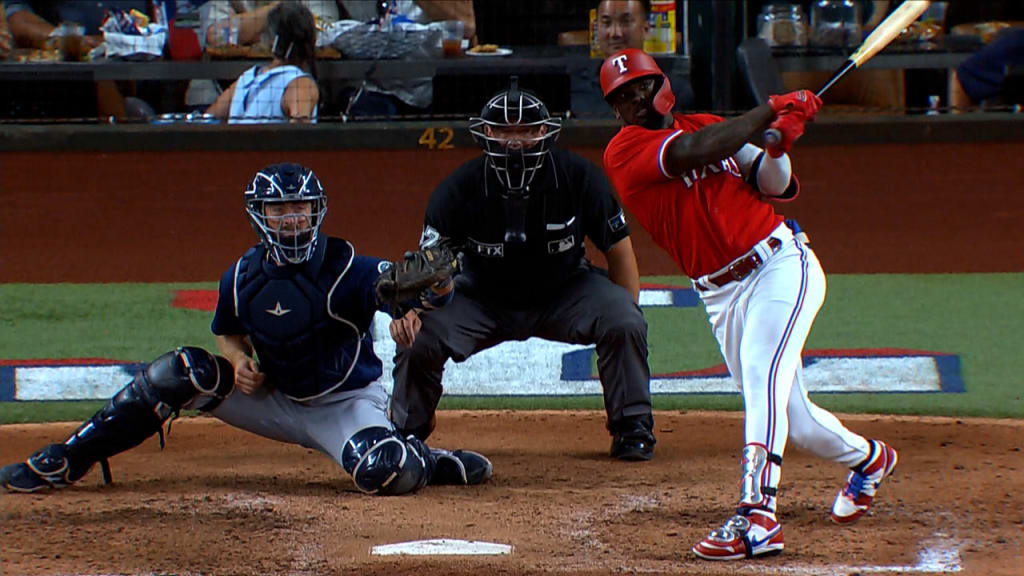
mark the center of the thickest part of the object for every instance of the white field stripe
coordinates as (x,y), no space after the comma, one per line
(656,298)
(938,555)
(529,368)
(69,382)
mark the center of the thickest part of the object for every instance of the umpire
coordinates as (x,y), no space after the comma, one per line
(519,215)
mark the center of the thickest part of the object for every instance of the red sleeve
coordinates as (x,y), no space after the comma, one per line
(633,157)
(636,156)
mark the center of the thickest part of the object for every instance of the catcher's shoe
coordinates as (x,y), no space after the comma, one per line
(751,532)
(48,467)
(20,478)
(459,467)
(855,498)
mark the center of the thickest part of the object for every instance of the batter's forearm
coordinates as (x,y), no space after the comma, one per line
(716,142)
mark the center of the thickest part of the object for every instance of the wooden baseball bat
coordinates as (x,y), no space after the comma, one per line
(880,37)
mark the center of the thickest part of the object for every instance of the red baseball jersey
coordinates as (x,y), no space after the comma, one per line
(705,218)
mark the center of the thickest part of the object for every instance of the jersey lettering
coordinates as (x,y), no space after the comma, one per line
(487,250)
(728,165)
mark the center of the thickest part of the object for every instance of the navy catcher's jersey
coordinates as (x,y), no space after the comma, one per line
(309,323)
(570,199)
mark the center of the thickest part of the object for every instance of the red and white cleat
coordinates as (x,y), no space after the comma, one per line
(855,498)
(751,532)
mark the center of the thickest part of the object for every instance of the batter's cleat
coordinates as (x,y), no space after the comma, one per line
(855,498)
(459,467)
(20,478)
(632,440)
(751,532)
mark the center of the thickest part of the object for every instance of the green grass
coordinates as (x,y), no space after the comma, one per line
(976,316)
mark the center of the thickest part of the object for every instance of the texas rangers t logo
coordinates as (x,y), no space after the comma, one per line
(620,62)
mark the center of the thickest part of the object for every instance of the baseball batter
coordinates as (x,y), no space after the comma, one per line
(302,304)
(698,185)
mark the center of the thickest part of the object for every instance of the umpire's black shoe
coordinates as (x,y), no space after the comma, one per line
(633,441)
(459,467)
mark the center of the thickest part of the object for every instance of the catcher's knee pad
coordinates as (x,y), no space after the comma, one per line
(382,462)
(188,377)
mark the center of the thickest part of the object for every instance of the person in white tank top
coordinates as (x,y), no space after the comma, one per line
(284,90)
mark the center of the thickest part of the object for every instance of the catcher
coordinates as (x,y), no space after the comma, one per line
(296,360)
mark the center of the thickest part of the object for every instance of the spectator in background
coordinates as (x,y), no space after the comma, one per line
(286,89)
(405,96)
(981,77)
(32,21)
(621,24)
(6,41)
(250,19)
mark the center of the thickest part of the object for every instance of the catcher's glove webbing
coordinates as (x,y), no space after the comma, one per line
(408,283)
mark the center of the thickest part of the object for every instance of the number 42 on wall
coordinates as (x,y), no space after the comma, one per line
(439,138)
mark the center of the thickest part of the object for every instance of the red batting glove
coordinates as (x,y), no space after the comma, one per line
(803,101)
(790,127)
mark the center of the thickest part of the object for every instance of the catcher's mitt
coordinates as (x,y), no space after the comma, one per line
(404,283)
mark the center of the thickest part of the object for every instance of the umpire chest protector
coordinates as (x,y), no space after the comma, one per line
(564,205)
(309,327)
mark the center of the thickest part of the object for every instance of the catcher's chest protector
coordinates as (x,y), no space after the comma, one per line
(301,346)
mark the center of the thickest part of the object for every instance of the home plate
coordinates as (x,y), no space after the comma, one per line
(441,546)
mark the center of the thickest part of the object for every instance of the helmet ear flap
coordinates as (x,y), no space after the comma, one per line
(664,100)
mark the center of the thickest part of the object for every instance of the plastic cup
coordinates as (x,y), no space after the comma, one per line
(451,38)
(226,32)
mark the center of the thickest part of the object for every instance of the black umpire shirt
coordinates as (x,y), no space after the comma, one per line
(569,199)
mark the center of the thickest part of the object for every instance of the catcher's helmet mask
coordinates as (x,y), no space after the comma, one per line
(515,161)
(280,183)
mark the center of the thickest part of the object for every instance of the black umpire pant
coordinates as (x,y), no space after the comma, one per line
(589,309)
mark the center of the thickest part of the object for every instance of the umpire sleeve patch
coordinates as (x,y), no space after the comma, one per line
(617,222)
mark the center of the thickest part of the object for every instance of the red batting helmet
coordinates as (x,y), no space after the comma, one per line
(630,64)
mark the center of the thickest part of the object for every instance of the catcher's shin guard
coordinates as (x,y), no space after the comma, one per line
(382,462)
(184,378)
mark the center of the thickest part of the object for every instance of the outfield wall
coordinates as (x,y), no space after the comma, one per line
(140,203)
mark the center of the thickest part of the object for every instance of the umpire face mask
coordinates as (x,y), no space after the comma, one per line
(516,133)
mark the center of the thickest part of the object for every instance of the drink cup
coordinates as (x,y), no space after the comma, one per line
(451,38)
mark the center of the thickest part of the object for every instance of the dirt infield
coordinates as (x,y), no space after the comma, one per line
(221,501)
